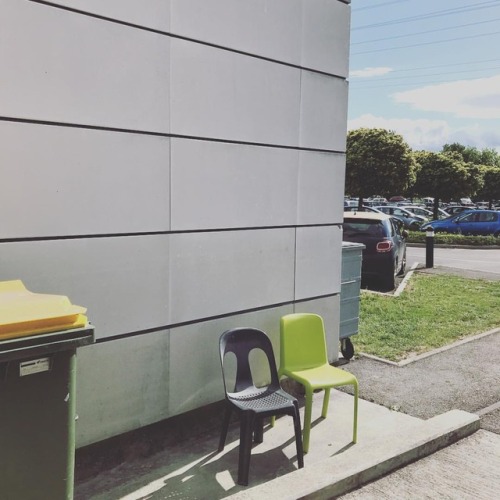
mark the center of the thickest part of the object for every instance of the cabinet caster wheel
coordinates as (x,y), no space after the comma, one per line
(346,348)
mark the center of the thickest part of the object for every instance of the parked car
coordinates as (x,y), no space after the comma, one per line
(456,209)
(426,212)
(350,203)
(483,205)
(395,199)
(384,256)
(473,222)
(409,219)
(366,208)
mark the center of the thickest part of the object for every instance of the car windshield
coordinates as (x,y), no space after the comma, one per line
(366,227)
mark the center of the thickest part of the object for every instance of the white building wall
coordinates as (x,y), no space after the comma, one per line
(178,168)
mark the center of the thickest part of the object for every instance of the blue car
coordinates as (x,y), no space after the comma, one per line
(479,222)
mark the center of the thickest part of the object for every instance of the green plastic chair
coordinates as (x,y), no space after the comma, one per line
(303,357)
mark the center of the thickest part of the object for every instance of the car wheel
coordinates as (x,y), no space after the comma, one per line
(403,265)
(497,234)
(390,280)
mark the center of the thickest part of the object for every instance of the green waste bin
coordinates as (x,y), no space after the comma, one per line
(37,413)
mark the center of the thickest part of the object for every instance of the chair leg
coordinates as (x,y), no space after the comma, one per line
(307,418)
(298,436)
(246,429)
(326,400)
(258,432)
(355,424)
(225,426)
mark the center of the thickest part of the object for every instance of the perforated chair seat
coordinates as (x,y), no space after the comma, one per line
(262,401)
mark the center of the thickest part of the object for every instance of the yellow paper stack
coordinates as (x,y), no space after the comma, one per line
(24,313)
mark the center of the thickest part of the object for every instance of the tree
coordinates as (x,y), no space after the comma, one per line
(378,161)
(443,176)
(491,186)
(471,154)
(475,176)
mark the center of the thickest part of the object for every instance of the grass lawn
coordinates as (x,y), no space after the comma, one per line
(433,311)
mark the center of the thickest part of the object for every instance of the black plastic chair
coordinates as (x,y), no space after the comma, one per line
(254,403)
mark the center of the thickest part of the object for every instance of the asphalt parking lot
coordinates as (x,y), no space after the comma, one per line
(465,377)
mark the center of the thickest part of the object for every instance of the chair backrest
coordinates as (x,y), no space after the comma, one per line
(241,342)
(303,342)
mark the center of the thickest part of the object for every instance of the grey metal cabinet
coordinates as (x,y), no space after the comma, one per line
(352,254)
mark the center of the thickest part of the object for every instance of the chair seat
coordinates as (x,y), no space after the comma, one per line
(321,377)
(261,400)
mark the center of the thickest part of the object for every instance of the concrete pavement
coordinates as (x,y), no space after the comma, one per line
(469,469)
(193,469)
(406,413)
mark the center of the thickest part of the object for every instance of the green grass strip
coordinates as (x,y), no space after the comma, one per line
(433,311)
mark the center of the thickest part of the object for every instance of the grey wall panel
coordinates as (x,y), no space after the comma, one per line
(320,187)
(323,112)
(122,385)
(71,181)
(223,95)
(65,67)
(122,281)
(325,36)
(220,185)
(150,13)
(218,273)
(202,383)
(329,309)
(318,266)
(269,29)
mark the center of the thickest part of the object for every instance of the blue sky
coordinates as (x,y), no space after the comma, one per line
(428,69)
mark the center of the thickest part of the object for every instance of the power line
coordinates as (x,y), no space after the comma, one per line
(428,31)
(403,84)
(359,9)
(426,43)
(431,74)
(464,63)
(430,15)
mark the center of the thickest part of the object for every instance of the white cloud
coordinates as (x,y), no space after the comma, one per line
(431,135)
(419,134)
(477,136)
(478,98)
(369,72)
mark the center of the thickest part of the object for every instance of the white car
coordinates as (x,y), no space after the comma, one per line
(425,212)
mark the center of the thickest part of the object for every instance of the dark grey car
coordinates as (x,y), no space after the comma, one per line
(384,256)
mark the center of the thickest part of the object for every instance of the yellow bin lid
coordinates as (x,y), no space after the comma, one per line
(24,313)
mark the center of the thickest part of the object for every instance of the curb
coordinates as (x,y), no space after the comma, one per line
(446,245)
(424,355)
(337,476)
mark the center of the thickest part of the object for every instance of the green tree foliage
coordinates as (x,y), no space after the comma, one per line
(475,176)
(491,186)
(474,155)
(490,157)
(378,161)
(444,176)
